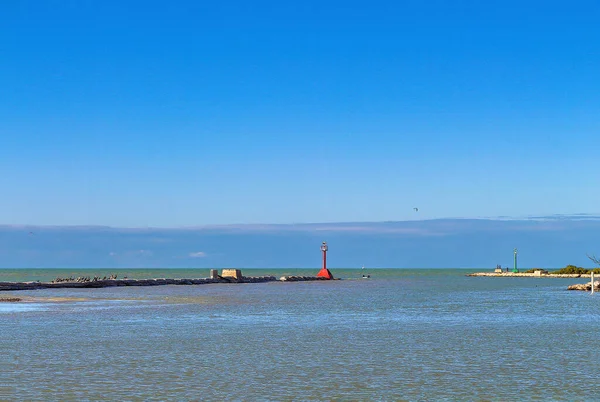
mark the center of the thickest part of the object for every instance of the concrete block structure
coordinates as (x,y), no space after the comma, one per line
(232,273)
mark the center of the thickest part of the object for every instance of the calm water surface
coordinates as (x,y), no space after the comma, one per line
(401,335)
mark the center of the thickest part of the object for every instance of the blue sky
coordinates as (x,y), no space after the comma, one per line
(131,113)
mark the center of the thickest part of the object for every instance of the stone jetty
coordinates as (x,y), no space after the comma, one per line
(528,275)
(303,278)
(86,283)
(587,287)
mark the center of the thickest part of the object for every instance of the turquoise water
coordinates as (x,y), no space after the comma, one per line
(401,335)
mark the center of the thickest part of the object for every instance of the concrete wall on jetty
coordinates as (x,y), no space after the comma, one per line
(232,273)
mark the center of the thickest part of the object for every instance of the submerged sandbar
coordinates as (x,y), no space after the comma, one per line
(10,299)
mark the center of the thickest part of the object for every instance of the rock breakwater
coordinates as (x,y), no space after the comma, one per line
(105,283)
(302,278)
(528,275)
(85,279)
(585,286)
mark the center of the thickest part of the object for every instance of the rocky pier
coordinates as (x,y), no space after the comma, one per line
(527,275)
(587,287)
(87,283)
(303,278)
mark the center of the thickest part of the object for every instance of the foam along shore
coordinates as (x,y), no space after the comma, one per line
(8,286)
(528,274)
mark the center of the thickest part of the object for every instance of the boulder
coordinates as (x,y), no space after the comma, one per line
(585,286)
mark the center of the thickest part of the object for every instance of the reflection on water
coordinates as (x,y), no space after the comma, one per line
(22,307)
(416,335)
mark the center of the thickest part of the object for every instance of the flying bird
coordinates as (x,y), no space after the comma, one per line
(416,209)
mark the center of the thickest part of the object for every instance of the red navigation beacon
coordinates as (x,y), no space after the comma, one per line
(324,272)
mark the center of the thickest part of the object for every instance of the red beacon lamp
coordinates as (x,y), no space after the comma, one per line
(324,272)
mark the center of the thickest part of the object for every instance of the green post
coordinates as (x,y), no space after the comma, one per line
(515,267)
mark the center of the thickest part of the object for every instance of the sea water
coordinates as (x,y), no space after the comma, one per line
(400,335)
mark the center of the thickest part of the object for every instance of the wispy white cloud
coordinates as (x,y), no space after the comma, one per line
(198,254)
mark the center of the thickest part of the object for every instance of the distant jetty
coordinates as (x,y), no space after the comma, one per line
(540,273)
(228,276)
(527,275)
